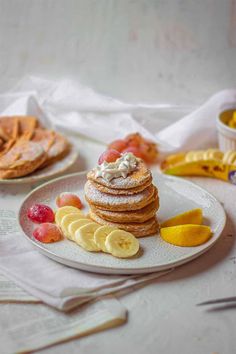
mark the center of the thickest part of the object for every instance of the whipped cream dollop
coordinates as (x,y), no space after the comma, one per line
(126,164)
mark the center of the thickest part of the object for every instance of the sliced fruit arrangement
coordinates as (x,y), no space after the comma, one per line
(72,223)
(138,145)
(94,237)
(210,163)
(186,229)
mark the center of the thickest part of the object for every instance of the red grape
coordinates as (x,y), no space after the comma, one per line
(135,151)
(134,140)
(69,199)
(149,152)
(39,213)
(109,156)
(118,145)
(47,233)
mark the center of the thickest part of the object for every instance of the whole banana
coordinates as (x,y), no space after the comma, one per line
(210,163)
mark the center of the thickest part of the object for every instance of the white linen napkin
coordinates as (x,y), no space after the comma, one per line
(67,105)
(55,284)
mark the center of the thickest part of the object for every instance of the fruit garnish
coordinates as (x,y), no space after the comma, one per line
(193,216)
(118,145)
(47,232)
(149,151)
(101,234)
(135,151)
(121,244)
(68,199)
(84,237)
(138,145)
(109,156)
(134,139)
(186,235)
(61,212)
(66,221)
(75,225)
(40,213)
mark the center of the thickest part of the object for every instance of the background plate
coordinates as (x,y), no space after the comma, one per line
(176,195)
(48,172)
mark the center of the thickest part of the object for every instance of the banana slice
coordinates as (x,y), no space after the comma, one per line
(213,154)
(194,156)
(65,210)
(66,221)
(229,157)
(232,158)
(75,225)
(121,244)
(84,237)
(198,155)
(189,156)
(101,234)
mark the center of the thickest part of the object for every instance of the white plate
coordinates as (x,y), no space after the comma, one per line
(176,195)
(48,172)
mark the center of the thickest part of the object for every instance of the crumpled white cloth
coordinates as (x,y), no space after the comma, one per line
(73,107)
(70,106)
(55,284)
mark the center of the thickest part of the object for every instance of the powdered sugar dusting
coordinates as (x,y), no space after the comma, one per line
(103,199)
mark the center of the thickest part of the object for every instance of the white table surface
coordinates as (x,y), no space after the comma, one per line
(163,316)
(154,51)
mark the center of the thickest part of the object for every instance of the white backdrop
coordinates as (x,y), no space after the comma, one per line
(153,50)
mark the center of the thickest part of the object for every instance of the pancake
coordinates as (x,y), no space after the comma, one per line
(118,202)
(44,137)
(6,147)
(9,128)
(3,135)
(19,133)
(58,149)
(137,178)
(134,216)
(129,191)
(27,123)
(150,227)
(22,159)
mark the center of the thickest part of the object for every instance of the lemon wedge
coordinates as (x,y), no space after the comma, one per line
(186,235)
(193,216)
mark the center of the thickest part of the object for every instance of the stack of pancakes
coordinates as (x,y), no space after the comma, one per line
(25,146)
(128,203)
